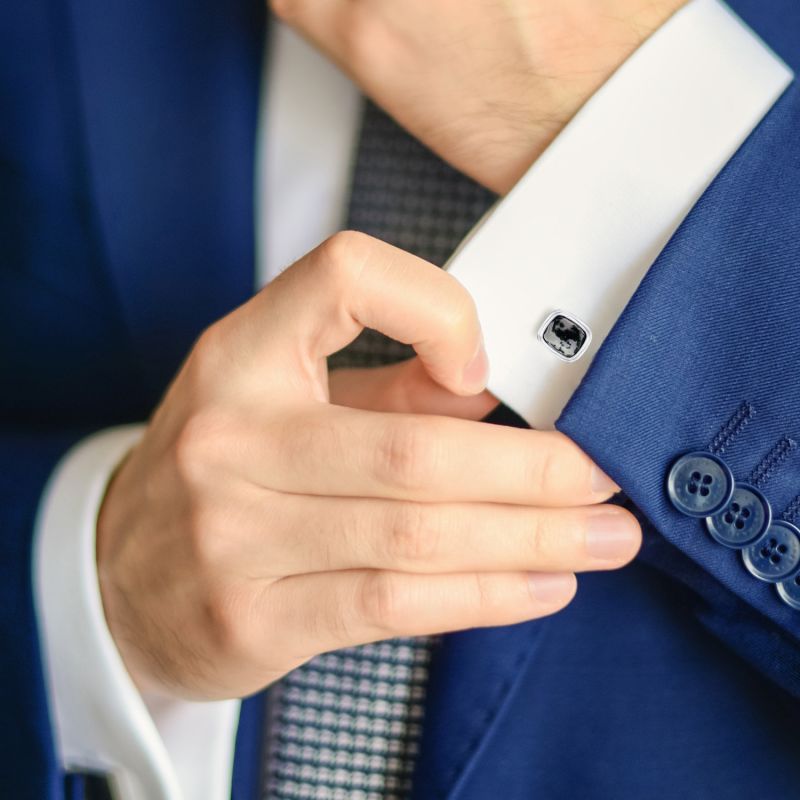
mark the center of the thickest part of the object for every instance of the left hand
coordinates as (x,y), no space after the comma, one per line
(486,85)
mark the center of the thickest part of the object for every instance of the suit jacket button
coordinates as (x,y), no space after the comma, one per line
(700,484)
(789,591)
(744,520)
(776,555)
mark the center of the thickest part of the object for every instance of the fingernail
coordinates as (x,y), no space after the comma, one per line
(476,373)
(601,483)
(611,536)
(551,587)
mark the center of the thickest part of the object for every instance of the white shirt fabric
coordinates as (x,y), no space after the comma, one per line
(180,750)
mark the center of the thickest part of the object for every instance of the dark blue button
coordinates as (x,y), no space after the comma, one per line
(789,591)
(777,555)
(700,485)
(744,520)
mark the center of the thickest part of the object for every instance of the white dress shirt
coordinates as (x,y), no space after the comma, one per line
(174,749)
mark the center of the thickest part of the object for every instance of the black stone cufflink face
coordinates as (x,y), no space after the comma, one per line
(565,335)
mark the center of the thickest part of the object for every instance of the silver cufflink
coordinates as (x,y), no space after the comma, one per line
(565,335)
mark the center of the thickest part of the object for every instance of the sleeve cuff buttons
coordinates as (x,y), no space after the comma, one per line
(700,485)
(738,516)
(776,556)
(743,521)
(789,592)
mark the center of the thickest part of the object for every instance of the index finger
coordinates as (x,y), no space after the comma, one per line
(332,450)
(353,281)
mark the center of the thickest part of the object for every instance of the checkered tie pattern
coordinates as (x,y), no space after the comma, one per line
(346,725)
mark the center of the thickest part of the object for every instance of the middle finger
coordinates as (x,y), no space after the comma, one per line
(318,534)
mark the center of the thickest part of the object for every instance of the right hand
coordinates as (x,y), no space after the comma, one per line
(258,524)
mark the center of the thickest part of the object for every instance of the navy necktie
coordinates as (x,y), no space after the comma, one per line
(347,724)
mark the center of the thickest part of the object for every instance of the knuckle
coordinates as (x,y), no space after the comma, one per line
(380,604)
(344,255)
(405,457)
(209,354)
(224,619)
(544,535)
(459,315)
(547,472)
(484,596)
(412,534)
(488,597)
(198,445)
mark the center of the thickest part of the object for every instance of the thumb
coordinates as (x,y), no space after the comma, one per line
(405,388)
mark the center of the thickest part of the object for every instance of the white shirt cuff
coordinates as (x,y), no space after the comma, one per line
(151,749)
(583,226)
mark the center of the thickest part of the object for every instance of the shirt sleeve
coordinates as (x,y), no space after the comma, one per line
(151,748)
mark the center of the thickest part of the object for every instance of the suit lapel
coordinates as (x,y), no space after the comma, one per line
(472,683)
(169,94)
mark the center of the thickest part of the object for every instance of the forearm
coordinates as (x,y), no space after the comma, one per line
(501,80)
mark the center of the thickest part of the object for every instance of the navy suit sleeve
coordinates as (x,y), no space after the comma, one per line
(28,766)
(705,356)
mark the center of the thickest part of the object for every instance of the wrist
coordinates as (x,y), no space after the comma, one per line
(572,52)
(110,554)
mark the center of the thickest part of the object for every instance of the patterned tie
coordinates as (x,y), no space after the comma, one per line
(347,724)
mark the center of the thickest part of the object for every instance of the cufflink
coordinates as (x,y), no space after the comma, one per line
(565,335)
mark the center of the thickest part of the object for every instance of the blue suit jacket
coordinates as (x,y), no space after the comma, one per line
(126,150)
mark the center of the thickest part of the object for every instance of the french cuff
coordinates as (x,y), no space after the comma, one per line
(150,749)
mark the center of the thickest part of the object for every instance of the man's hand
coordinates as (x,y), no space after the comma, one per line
(487,85)
(258,524)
